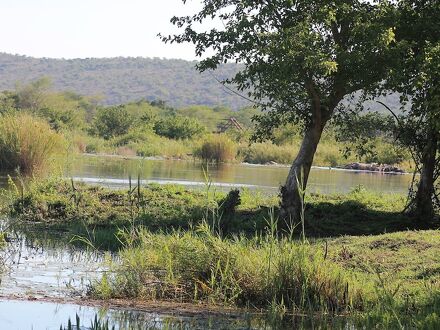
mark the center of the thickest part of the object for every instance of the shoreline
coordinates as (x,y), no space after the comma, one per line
(316,167)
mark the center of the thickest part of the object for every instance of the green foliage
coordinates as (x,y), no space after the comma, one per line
(371,137)
(295,62)
(179,127)
(113,121)
(239,272)
(267,152)
(28,144)
(123,80)
(217,148)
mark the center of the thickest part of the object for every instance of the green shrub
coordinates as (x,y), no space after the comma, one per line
(179,127)
(112,121)
(28,143)
(218,148)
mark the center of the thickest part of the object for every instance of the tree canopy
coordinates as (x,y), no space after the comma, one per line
(299,60)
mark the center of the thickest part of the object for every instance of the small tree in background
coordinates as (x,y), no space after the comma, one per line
(416,76)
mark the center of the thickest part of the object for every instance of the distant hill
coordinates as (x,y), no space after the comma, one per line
(121,80)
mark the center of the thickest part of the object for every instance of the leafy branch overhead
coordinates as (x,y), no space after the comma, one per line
(294,53)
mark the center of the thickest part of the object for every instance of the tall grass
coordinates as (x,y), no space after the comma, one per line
(259,272)
(27,144)
(217,148)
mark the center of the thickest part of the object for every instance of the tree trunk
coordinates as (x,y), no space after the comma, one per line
(423,207)
(291,199)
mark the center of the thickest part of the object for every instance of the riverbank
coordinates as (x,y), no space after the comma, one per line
(65,203)
(230,251)
(384,281)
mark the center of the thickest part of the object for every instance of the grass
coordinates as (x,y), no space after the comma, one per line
(167,250)
(217,148)
(28,144)
(224,148)
(158,207)
(376,282)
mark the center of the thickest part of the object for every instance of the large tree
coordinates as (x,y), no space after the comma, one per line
(299,58)
(417,77)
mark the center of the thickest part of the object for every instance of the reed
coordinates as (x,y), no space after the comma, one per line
(217,148)
(28,144)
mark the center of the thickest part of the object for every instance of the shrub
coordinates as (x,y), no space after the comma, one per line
(179,127)
(113,121)
(27,143)
(218,148)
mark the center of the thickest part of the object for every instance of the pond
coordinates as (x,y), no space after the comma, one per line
(115,171)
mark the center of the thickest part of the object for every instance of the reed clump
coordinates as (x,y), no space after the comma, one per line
(217,148)
(198,265)
(28,144)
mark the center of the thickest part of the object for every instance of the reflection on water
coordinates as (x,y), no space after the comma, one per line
(36,315)
(40,268)
(115,171)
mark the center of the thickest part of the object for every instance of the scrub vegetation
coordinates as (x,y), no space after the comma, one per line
(154,129)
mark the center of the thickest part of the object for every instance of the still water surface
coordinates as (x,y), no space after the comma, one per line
(115,171)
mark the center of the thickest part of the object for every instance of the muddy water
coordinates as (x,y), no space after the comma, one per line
(115,172)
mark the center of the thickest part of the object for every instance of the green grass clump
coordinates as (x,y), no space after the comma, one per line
(197,265)
(164,207)
(28,144)
(217,148)
(387,281)
(266,152)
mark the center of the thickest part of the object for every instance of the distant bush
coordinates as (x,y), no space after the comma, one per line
(138,135)
(112,121)
(218,148)
(162,146)
(261,153)
(27,143)
(386,153)
(179,127)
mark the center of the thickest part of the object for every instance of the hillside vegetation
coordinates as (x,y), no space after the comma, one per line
(121,80)
(151,129)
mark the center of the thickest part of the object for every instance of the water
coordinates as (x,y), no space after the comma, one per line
(39,315)
(43,279)
(113,172)
(42,270)
(36,269)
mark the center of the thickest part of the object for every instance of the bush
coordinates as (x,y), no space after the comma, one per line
(113,121)
(218,148)
(27,143)
(179,127)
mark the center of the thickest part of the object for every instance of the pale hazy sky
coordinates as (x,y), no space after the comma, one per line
(91,28)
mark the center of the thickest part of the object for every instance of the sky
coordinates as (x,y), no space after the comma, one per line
(92,28)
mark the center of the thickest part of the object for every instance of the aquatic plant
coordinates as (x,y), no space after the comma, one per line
(96,324)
